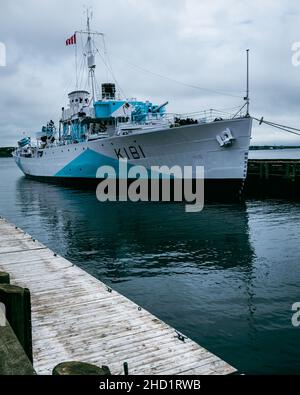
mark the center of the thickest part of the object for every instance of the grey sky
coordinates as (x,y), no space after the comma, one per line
(199,42)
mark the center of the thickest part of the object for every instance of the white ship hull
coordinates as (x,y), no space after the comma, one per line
(194,145)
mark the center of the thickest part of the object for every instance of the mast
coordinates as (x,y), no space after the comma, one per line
(91,58)
(248,85)
(90,52)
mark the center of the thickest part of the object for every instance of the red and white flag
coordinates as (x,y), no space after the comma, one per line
(71,40)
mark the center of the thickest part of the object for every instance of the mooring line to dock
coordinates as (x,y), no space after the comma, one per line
(283,128)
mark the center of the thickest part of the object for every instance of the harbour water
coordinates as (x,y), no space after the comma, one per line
(226,277)
(275,154)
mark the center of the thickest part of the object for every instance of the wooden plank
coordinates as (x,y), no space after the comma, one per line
(19,248)
(26,256)
(4,238)
(76,317)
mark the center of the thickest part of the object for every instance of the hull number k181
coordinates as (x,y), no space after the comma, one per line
(131,152)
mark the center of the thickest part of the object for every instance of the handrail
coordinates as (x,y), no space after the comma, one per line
(204,116)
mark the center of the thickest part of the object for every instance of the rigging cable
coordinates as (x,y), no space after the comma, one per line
(110,70)
(83,60)
(217,92)
(109,63)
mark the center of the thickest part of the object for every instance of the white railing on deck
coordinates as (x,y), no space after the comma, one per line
(206,116)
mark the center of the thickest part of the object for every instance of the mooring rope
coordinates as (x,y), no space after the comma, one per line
(284,128)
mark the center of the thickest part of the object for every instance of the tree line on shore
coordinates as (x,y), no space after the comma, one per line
(6,152)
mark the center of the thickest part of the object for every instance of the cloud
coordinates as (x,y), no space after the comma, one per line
(199,42)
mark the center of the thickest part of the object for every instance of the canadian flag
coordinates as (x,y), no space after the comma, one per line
(71,40)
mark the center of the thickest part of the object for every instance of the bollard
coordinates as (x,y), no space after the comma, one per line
(4,278)
(18,313)
(80,369)
(126,371)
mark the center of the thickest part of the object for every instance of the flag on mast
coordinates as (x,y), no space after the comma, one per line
(71,40)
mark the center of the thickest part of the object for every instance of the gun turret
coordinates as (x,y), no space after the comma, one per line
(160,107)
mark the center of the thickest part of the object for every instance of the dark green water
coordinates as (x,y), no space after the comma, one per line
(226,277)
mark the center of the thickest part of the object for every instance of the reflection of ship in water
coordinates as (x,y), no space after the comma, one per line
(118,240)
(194,271)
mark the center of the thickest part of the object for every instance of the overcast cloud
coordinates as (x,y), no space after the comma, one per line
(199,42)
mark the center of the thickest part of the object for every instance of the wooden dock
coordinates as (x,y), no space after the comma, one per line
(288,170)
(273,177)
(75,317)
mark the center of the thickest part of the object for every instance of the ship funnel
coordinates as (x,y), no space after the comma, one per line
(108,91)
